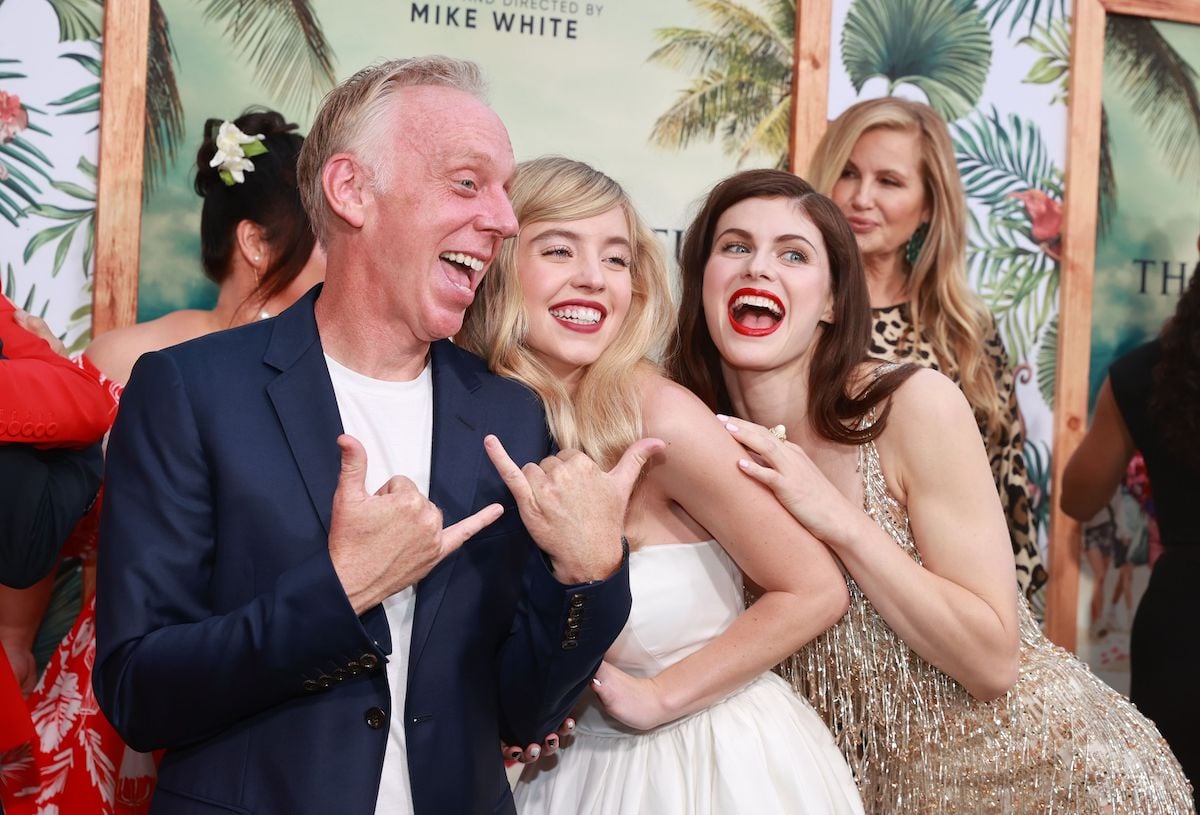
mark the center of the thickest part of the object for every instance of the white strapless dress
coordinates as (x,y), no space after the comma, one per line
(760,750)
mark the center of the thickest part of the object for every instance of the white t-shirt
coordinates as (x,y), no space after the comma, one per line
(394,422)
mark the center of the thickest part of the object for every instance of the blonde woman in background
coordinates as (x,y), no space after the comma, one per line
(889,165)
(686,717)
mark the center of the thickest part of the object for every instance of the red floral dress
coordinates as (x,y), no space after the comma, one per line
(84,766)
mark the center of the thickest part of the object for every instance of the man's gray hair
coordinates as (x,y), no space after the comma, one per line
(353,114)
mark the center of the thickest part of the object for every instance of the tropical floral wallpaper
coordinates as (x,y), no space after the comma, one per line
(49,115)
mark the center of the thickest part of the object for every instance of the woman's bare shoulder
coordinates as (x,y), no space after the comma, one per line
(116,351)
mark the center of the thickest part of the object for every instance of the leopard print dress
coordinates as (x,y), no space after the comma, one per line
(892,340)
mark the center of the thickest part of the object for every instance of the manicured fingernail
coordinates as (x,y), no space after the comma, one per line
(732,428)
(534,752)
(552,742)
(570,724)
(514,754)
(743,462)
(721,417)
(596,682)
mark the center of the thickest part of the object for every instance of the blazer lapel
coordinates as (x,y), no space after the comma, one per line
(303,398)
(458,430)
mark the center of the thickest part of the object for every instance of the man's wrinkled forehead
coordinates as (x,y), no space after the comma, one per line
(447,123)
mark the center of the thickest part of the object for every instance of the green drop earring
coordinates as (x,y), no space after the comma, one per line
(912,249)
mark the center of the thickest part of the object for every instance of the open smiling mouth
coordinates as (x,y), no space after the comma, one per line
(754,312)
(468,265)
(584,318)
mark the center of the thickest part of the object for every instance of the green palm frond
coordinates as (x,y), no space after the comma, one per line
(85,99)
(284,40)
(1054,44)
(772,135)
(1161,85)
(998,157)
(1035,12)
(21,161)
(1037,461)
(741,90)
(943,47)
(1047,361)
(72,221)
(1016,278)
(78,19)
(7,74)
(164,109)
(1108,177)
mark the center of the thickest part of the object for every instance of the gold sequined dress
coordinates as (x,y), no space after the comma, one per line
(1061,741)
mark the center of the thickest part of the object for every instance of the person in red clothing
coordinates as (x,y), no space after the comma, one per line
(257,245)
(52,416)
(45,400)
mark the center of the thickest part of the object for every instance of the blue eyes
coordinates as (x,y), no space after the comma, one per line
(787,255)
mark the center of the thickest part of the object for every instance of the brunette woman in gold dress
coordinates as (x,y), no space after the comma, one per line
(937,684)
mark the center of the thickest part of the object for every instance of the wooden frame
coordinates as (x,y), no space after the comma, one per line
(1075,298)
(119,180)
(810,80)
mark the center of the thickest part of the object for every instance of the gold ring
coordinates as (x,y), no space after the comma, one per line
(779,432)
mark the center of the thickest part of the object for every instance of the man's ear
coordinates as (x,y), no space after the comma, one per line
(344,183)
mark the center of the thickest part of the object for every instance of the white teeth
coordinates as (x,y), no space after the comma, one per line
(466,260)
(759,302)
(577,314)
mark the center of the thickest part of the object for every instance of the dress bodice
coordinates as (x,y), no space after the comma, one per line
(684,594)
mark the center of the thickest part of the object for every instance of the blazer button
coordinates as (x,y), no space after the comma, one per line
(375,718)
(369,662)
(570,644)
(353,667)
(339,674)
(310,686)
(324,682)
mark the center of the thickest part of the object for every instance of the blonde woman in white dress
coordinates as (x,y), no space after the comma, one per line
(685,717)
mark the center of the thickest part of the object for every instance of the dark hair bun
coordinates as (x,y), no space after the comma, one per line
(268,123)
(266,196)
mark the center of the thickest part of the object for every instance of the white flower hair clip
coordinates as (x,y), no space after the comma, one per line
(234,149)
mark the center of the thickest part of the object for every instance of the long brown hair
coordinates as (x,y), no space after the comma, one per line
(834,408)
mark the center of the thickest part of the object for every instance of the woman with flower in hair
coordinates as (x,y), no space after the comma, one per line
(257,245)
(889,165)
(685,717)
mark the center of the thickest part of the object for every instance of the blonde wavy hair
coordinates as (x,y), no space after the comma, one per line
(602,417)
(944,309)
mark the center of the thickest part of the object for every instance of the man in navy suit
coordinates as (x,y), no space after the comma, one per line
(303,637)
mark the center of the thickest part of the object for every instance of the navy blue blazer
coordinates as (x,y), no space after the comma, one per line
(225,637)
